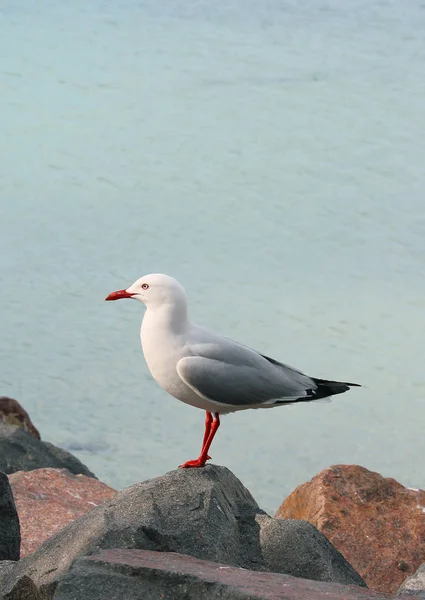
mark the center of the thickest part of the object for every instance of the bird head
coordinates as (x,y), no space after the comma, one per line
(153,290)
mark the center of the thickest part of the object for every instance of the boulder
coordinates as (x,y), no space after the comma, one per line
(147,575)
(299,549)
(10,538)
(22,589)
(12,413)
(375,522)
(49,499)
(206,513)
(5,567)
(21,451)
(414,585)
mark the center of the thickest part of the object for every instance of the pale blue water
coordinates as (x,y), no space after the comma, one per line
(268,155)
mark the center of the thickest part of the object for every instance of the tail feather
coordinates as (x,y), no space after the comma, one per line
(324,389)
(331,388)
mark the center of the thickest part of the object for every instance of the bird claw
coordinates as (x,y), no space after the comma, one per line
(195,464)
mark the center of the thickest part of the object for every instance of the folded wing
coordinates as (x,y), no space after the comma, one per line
(234,375)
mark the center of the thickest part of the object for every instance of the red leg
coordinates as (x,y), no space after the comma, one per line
(208,421)
(203,457)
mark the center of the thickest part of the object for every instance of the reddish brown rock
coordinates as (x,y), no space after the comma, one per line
(49,499)
(375,522)
(11,412)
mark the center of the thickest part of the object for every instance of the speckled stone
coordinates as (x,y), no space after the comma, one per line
(22,451)
(147,575)
(414,585)
(375,522)
(12,413)
(206,513)
(49,499)
(9,523)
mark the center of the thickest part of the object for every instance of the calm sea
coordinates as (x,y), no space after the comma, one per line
(268,154)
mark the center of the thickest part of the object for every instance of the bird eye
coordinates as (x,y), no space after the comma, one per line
(145,286)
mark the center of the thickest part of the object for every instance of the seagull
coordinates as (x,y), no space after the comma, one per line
(208,371)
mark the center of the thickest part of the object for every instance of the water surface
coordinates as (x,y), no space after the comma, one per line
(268,155)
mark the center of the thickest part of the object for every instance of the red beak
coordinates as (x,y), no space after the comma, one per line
(118,295)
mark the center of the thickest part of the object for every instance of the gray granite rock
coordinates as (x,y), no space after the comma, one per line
(10,533)
(206,513)
(147,575)
(298,548)
(5,567)
(20,451)
(414,585)
(22,588)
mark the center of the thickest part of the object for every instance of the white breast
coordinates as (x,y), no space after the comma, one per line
(162,350)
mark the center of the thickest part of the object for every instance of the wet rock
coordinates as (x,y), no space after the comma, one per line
(10,538)
(414,585)
(48,499)
(375,522)
(146,575)
(205,513)
(12,413)
(21,451)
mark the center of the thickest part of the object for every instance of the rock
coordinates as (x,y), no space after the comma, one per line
(22,589)
(303,551)
(20,451)
(147,575)
(376,523)
(48,499)
(5,567)
(205,513)
(12,413)
(10,538)
(414,585)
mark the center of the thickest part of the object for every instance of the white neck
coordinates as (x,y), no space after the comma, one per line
(171,317)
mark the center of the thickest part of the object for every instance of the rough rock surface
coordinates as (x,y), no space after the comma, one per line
(299,549)
(146,575)
(48,499)
(5,567)
(22,589)
(20,451)
(12,413)
(376,523)
(415,584)
(205,513)
(10,538)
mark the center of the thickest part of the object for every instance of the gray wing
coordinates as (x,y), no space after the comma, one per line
(234,375)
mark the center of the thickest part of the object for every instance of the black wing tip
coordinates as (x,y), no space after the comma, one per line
(324,389)
(327,388)
(346,384)
(328,383)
